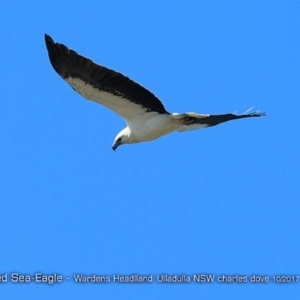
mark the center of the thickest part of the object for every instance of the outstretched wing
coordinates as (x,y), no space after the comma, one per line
(193,121)
(97,83)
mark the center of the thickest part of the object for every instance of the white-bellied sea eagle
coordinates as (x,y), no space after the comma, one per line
(145,115)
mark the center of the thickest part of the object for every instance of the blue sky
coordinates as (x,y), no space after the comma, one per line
(220,201)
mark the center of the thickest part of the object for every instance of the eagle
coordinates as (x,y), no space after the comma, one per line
(145,115)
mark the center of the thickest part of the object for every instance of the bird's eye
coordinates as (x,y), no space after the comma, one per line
(119,139)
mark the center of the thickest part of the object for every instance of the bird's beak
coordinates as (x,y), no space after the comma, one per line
(115,146)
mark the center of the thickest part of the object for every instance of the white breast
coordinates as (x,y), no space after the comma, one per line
(154,127)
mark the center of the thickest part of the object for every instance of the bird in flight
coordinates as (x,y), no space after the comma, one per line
(145,115)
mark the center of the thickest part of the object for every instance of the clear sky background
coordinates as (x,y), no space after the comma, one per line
(223,200)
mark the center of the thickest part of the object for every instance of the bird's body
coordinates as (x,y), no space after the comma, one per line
(154,127)
(145,115)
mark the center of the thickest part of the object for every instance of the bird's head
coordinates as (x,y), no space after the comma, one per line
(123,137)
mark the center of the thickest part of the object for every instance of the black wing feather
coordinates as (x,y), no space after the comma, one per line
(214,120)
(67,63)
